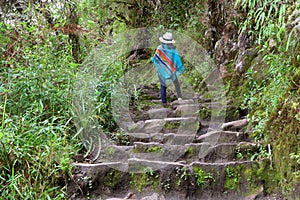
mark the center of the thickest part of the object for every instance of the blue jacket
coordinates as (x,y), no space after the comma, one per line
(168,63)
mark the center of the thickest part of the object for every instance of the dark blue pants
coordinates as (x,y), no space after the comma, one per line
(163,90)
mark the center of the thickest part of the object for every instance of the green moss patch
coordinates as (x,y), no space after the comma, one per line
(141,181)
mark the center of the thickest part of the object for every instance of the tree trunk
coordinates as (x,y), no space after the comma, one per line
(74,38)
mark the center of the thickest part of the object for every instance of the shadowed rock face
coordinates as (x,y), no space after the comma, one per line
(171,158)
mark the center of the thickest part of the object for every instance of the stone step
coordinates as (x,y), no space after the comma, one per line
(187,153)
(212,124)
(214,137)
(160,113)
(183,102)
(226,180)
(187,110)
(160,152)
(157,125)
(179,138)
(228,152)
(235,125)
(132,137)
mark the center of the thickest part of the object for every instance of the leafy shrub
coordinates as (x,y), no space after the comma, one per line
(36,127)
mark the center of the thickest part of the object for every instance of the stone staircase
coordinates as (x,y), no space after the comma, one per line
(173,152)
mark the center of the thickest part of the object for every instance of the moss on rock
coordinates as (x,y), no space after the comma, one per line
(283,134)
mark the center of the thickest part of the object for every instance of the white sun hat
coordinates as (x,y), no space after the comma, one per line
(167,38)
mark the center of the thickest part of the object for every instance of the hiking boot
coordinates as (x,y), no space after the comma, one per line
(179,100)
(165,105)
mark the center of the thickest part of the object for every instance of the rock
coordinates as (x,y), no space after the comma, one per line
(136,164)
(144,147)
(258,194)
(175,119)
(102,168)
(195,150)
(137,135)
(219,152)
(157,152)
(215,137)
(135,127)
(187,109)
(179,139)
(223,164)
(235,125)
(157,137)
(153,125)
(154,196)
(110,153)
(226,47)
(79,158)
(244,60)
(183,102)
(159,113)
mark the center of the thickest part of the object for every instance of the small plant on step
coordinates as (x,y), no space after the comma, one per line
(202,177)
(262,152)
(136,98)
(166,185)
(182,174)
(147,178)
(233,178)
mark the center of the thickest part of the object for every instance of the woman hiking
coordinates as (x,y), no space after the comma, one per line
(169,65)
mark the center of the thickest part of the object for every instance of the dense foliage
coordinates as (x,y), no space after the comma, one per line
(37,67)
(271,85)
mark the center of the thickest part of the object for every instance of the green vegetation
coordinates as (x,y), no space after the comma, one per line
(154,149)
(36,132)
(172,125)
(150,149)
(182,174)
(112,179)
(232,178)
(190,150)
(203,178)
(140,181)
(271,85)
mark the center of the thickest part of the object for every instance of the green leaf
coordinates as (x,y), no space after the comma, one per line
(289,39)
(73,65)
(282,11)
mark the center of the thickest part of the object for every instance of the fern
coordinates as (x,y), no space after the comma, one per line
(266,17)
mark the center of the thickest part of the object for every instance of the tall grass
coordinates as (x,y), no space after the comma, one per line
(36,145)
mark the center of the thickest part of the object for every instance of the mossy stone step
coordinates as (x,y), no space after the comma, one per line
(187,110)
(226,180)
(227,152)
(179,139)
(157,152)
(188,152)
(157,125)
